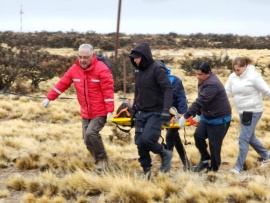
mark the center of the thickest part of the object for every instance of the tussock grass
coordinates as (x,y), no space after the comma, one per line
(50,140)
(4,193)
(16,182)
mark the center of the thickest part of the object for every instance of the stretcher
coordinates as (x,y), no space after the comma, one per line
(127,122)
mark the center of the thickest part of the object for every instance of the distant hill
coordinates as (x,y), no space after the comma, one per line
(106,42)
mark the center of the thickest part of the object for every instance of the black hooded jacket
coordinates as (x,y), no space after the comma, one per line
(153,90)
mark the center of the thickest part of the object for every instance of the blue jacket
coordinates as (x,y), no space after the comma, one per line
(179,95)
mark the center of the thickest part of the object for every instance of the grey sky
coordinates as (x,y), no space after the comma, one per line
(241,17)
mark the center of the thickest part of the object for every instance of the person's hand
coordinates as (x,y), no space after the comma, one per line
(182,121)
(133,113)
(165,117)
(197,118)
(46,102)
(109,115)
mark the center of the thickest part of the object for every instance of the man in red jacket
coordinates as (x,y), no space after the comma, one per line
(94,85)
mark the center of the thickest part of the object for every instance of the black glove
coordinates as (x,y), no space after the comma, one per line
(165,117)
(133,113)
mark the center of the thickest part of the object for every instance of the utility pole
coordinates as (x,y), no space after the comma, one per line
(117,29)
(21,13)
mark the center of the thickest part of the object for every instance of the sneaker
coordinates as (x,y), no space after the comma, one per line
(201,166)
(235,171)
(265,163)
(166,157)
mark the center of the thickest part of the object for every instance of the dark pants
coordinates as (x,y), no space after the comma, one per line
(173,140)
(92,138)
(215,135)
(147,132)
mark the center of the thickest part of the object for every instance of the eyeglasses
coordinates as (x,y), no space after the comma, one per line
(84,57)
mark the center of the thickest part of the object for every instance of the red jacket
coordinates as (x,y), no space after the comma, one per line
(94,87)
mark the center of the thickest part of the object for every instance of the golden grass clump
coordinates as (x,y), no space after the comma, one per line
(16,182)
(4,194)
(26,163)
(29,198)
(3,113)
(259,192)
(126,188)
(168,187)
(3,154)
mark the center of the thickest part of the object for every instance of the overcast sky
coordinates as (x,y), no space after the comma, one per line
(240,17)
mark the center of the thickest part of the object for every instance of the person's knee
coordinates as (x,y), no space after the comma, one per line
(144,141)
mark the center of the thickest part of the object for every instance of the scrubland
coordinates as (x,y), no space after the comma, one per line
(43,157)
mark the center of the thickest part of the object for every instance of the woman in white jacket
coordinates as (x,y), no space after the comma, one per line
(247,86)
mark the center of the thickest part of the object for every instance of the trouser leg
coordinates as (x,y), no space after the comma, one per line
(173,140)
(147,132)
(216,134)
(200,137)
(92,138)
(255,142)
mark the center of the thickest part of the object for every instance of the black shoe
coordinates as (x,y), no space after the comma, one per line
(166,157)
(147,173)
(146,169)
(186,163)
(186,168)
(201,167)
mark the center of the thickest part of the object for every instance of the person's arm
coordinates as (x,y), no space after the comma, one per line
(228,86)
(61,86)
(166,87)
(180,96)
(261,85)
(205,96)
(107,88)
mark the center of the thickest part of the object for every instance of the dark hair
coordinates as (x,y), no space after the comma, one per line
(203,66)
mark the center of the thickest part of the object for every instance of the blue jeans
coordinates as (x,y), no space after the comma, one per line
(247,137)
(147,132)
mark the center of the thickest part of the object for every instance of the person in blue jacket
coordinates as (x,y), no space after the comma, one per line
(180,103)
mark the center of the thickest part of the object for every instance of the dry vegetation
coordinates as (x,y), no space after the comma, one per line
(43,158)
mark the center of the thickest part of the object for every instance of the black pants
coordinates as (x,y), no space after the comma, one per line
(173,140)
(147,132)
(215,135)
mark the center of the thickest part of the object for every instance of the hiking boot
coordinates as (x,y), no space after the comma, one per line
(201,166)
(102,165)
(166,157)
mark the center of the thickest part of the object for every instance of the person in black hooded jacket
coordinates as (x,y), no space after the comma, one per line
(152,101)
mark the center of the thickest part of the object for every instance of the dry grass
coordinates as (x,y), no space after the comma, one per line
(43,158)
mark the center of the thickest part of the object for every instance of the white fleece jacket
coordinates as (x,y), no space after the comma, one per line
(247,90)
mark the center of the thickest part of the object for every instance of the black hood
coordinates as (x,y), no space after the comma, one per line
(144,50)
